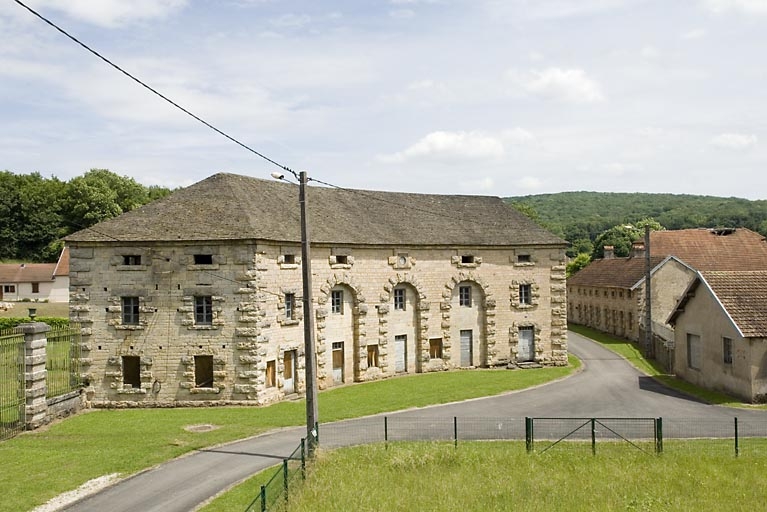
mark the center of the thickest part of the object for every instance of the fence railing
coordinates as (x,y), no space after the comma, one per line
(12,399)
(275,494)
(63,360)
(734,435)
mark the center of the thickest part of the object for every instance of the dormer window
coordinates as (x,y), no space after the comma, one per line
(203,259)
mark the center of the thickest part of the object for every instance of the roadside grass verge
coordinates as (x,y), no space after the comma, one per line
(633,354)
(488,476)
(42,464)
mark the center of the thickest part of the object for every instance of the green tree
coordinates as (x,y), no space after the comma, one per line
(99,195)
(622,237)
(578,263)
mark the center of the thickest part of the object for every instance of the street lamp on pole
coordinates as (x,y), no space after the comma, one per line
(310,357)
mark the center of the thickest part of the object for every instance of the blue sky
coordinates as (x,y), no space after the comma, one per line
(492,97)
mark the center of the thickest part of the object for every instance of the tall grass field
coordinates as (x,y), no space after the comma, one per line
(501,476)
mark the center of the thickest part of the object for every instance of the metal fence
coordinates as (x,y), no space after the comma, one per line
(12,399)
(275,494)
(62,361)
(735,436)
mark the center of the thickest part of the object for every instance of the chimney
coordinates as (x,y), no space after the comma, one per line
(609,252)
(637,249)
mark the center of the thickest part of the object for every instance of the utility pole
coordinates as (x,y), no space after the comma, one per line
(649,351)
(310,357)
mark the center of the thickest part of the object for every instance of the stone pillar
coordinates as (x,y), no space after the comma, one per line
(35,342)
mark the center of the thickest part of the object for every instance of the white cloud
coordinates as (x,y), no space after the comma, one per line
(744,6)
(530,183)
(111,13)
(569,85)
(402,14)
(449,146)
(695,33)
(290,21)
(736,141)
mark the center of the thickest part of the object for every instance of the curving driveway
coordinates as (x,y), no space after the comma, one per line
(608,387)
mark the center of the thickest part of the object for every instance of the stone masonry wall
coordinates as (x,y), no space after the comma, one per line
(251,349)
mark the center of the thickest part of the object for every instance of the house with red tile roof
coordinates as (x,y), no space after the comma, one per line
(35,281)
(720,327)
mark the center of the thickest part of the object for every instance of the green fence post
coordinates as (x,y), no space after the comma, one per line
(737,447)
(593,436)
(285,477)
(455,430)
(658,435)
(303,458)
(263,498)
(529,434)
(386,432)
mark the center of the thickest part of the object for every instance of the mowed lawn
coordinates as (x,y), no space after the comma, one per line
(501,476)
(44,309)
(39,465)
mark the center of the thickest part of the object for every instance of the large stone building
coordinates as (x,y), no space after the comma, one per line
(196,298)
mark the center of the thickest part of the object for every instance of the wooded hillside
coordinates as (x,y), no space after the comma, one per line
(579,217)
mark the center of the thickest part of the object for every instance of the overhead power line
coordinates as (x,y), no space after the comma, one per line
(153,90)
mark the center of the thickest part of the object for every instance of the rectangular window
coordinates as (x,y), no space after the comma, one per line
(203,259)
(130,310)
(337,302)
(693,351)
(342,259)
(35,287)
(271,374)
(203,371)
(131,259)
(131,371)
(523,258)
(399,299)
(290,259)
(464,296)
(290,305)
(525,294)
(467,258)
(435,348)
(727,350)
(9,288)
(203,310)
(372,356)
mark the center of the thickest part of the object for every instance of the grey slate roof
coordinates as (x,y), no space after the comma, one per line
(233,207)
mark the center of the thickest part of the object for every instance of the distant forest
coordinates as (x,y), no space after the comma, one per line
(581,217)
(36,211)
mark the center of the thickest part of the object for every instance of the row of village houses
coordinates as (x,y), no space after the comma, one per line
(196,298)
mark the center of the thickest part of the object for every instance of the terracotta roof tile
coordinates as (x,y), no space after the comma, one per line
(26,272)
(744,295)
(613,272)
(711,249)
(233,207)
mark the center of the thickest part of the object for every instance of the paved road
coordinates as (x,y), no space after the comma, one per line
(608,387)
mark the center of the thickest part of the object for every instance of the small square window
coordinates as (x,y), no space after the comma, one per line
(337,302)
(131,259)
(289,259)
(203,371)
(399,299)
(467,259)
(290,305)
(372,356)
(464,296)
(435,348)
(271,374)
(203,310)
(131,371)
(130,310)
(523,258)
(203,259)
(342,259)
